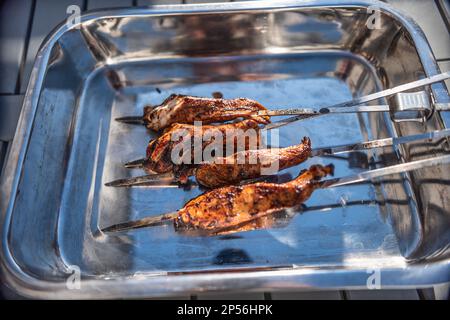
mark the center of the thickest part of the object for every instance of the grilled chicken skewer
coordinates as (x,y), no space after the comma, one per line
(271,219)
(225,171)
(231,206)
(159,151)
(228,209)
(249,164)
(243,165)
(187,109)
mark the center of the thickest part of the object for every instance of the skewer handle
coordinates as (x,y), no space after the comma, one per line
(438,134)
(376,173)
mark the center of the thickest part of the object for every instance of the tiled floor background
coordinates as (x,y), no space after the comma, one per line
(25,23)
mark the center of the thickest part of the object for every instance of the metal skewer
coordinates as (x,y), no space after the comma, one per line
(387,142)
(144,222)
(389,92)
(131,120)
(376,173)
(330,183)
(164,180)
(351,106)
(351,109)
(135,163)
(165,218)
(311,112)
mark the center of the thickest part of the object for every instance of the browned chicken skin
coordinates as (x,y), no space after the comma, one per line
(250,163)
(231,207)
(159,150)
(223,171)
(187,109)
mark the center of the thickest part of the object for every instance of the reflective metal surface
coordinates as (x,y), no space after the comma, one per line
(309,53)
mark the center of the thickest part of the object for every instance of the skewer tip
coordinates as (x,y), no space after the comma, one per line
(141,223)
(150,180)
(112,184)
(108,229)
(139,163)
(131,120)
(121,183)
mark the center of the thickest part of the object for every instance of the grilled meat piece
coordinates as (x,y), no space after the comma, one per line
(230,207)
(267,221)
(159,151)
(249,164)
(187,109)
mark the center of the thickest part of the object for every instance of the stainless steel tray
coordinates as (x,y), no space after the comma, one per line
(288,53)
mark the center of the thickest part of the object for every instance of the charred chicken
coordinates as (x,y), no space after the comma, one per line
(220,171)
(251,164)
(230,207)
(160,150)
(187,109)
